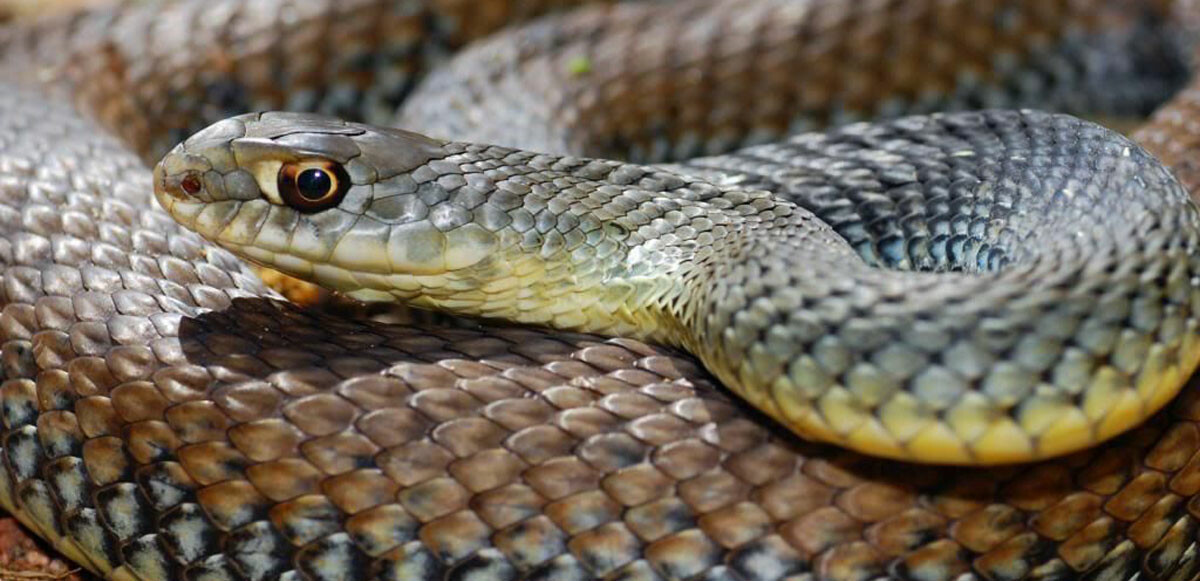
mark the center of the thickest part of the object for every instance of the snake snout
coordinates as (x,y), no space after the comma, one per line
(176,187)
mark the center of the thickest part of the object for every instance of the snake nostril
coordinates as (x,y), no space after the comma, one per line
(191,184)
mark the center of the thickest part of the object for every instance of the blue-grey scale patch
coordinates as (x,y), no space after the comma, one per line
(308,518)
(147,559)
(125,510)
(214,568)
(165,484)
(68,479)
(333,558)
(188,533)
(258,551)
(410,561)
(916,201)
(232,517)
(768,557)
(24,452)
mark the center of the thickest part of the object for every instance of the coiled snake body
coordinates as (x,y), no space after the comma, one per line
(986,287)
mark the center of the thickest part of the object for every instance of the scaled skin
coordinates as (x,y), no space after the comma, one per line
(544,453)
(973,366)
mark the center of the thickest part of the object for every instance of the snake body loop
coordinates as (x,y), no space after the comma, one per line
(1064,316)
(983,287)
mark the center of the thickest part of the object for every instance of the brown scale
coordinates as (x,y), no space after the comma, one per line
(616,81)
(521,450)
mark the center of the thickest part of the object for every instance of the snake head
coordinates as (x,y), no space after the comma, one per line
(319,198)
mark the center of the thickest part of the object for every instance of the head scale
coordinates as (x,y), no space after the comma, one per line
(312,196)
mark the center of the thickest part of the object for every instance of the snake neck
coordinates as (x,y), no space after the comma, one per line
(609,294)
(577,244)
(585,245)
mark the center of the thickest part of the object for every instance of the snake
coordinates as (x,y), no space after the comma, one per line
(695,333)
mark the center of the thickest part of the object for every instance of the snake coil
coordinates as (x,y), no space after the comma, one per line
(980,287)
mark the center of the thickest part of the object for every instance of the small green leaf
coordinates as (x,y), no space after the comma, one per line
(580,65)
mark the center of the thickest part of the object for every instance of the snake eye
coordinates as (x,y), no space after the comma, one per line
(313,186)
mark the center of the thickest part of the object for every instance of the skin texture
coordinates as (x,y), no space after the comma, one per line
(166,417)
(1039,336)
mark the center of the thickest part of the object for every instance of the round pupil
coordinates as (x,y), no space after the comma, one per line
(314,183)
